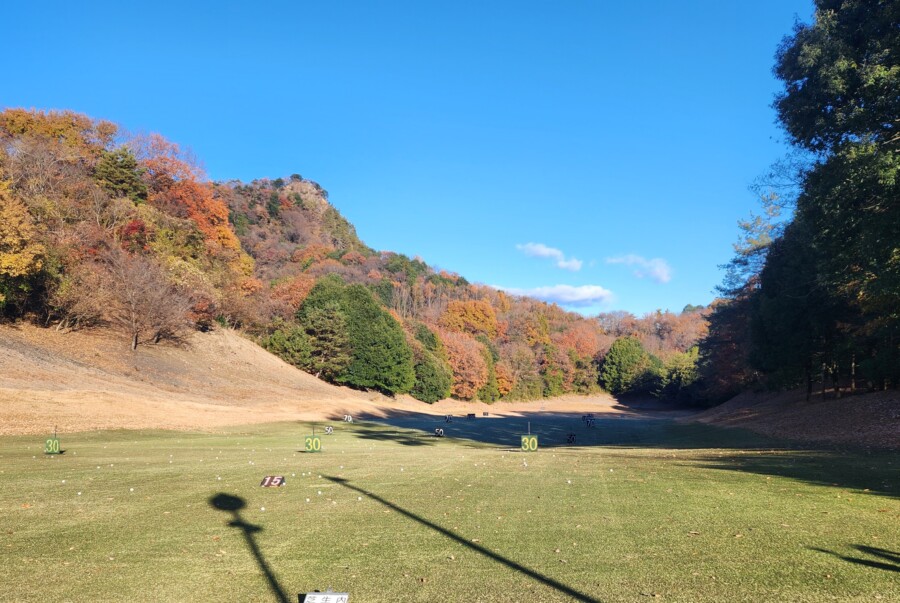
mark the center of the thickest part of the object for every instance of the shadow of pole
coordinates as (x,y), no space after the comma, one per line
(566,590)
(892,558)
(233,505)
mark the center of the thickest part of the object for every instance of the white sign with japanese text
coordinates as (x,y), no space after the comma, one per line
(326,598)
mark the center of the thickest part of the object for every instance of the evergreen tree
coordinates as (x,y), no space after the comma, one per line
(433,378)
(118,173)
(329,341)
(624,365)
(291,344)
(380,358)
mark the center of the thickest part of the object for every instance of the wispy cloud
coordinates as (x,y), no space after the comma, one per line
(656,269)
(566,295)
(539,250)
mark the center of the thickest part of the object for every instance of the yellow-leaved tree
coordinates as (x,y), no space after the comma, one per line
(20,255)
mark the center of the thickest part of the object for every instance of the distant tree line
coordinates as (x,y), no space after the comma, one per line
(813,298)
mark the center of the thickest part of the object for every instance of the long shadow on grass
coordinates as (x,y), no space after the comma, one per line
(559,586)
(233,505)
(892,557)
(647,430)
(405,438)
(741,450)
(873,472)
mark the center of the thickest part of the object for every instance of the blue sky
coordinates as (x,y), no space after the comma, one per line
(593,153)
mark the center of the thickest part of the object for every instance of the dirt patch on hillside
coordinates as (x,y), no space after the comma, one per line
(869,420)
(84,381)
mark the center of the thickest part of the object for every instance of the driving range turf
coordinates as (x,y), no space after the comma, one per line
(639,509)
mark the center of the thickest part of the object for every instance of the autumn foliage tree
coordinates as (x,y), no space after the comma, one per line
(129,293)
(21,256)
(466,359)
(475,317)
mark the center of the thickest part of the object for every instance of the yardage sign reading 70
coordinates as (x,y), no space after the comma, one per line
(529,443)
(312,443)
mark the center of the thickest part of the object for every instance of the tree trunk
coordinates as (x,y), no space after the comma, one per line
(836,381)
(823,381)
(808,372)
(134,341)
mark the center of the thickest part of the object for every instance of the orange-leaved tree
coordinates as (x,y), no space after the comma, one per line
(466,359)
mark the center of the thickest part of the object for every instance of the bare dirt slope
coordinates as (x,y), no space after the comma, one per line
(867,420)
(84,381)
(91,380)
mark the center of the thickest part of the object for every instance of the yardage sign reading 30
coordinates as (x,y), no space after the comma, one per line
(51,446)
(529,443)
(312,444)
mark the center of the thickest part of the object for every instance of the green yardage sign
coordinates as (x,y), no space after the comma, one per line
(51,446)
(529,443)
(312,443)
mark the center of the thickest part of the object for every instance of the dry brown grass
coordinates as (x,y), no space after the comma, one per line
(81,381)
(867,420)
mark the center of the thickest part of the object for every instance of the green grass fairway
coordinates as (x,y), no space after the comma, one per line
(639,510)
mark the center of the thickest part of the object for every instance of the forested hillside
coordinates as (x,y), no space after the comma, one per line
(102,229)
(813,292)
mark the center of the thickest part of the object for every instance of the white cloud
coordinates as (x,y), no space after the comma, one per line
(566,295)
(656,269)
(539,250)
